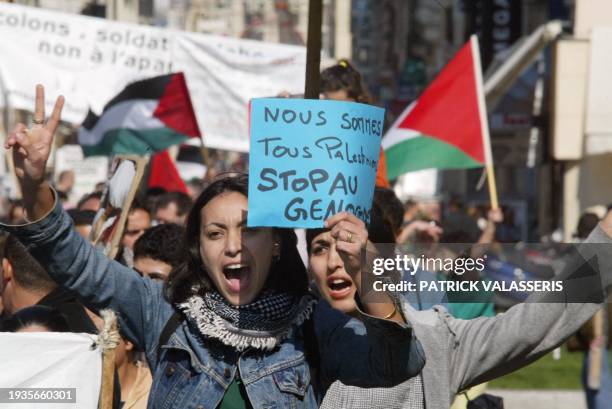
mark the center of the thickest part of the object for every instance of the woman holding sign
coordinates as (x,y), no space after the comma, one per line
(462,353)
(235,326)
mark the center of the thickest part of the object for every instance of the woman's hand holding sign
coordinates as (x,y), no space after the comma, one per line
(31,150)
(351,238)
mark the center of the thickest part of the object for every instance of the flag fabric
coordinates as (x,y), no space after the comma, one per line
(446,127)
(164,174)
(381,171)
(147,116)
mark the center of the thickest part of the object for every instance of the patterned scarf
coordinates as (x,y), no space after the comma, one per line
(262,324)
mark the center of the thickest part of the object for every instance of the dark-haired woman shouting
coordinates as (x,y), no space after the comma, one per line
(235,326)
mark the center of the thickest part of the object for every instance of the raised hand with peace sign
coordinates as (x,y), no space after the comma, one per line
(31,150)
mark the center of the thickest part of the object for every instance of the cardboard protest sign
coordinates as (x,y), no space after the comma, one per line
(310,159)
(63,367)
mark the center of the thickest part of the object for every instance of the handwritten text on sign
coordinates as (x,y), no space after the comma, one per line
(311,159)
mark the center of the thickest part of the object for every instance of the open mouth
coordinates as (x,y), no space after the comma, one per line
(236,276)
(339,287)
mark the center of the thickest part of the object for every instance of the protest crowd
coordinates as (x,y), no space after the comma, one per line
(226,301)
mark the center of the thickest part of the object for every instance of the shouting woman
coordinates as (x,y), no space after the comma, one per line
(235,326)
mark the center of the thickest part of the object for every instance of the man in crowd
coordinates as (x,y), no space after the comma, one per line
(138,220)
(25,283)
(65,182)
(83,221)
(159,250)
(173,207)
(91,201)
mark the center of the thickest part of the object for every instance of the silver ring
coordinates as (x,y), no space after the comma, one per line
(38,121)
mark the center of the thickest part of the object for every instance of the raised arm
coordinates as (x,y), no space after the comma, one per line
(486,348)
(69,259)
(31,148)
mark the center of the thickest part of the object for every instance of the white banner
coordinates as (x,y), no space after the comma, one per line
(599,106)
(50,360)
(89,60)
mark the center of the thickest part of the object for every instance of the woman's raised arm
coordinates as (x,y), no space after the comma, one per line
(68,258)
(31,148)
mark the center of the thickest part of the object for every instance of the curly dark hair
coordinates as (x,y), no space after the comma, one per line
(287,274)
(164,242)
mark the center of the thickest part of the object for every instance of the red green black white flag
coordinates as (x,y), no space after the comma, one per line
(447,126)
(147,116)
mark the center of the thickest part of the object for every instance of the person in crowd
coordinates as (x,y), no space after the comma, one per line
(4,208)
(342,82)
(385,227)
(585,339)
(16,213)
(37,318)
(457,221)
(195,187)
(159,250)
(91,201)
(63,198)
(431,210)
(332,282)
(586,224)
(508,231)
(420,231)
(238,323)
(460,232)
(83,221)
(459,353)
(411,211)
(391,207)
(134,375)
(173,207)
(138,221)
(25,283)
(152,196)
(65,182)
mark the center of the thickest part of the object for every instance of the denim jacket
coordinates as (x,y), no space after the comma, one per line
(194,372)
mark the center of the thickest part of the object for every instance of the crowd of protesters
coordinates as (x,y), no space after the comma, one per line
(218,314)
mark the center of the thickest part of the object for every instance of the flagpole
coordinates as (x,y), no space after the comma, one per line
(313,50)
(205,155)
(484,123)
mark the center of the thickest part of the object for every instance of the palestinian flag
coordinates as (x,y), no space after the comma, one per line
(447,126)
(163,173)
(147,116)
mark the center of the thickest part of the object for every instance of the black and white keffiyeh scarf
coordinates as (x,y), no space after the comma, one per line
(262,324)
